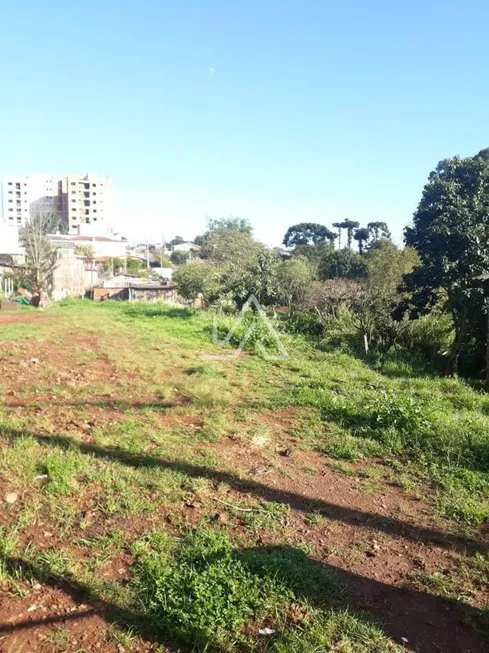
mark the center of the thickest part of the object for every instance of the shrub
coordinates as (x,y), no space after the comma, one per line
(430,335)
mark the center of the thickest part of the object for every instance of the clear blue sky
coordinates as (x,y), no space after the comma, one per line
(278,111)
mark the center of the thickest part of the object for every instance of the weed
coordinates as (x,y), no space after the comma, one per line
(269,516)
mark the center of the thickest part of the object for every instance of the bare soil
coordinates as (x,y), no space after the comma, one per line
(375,536)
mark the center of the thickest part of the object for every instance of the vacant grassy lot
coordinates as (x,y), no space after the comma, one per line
(153,498)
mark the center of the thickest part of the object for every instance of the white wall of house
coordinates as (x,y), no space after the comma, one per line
(71,278)
(164,273)
(186,247)
(102,246)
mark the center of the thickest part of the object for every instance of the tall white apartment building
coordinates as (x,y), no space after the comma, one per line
(26,195)
(83,202)
(86,203)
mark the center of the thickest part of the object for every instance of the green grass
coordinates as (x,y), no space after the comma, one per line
(106,477)
(206,592)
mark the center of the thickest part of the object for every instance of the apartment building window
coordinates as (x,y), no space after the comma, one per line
(17,185)
(10,192)
(11,201)
(10,183)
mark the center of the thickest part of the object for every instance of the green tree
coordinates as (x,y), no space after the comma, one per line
(135,265)
(179,258)
(350,226)
(385,270)
(229,244)
(308,233)
(178,240)
(196,279)
(313,254)
(244,265)
(361,235)
(85,250)
(231,222)
(339,226)
(450,232)
(293,278)
(378,231)
(342,263)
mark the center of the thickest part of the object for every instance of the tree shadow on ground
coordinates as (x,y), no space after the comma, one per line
(331,511)
(114,404)
(78,592)
(428,622)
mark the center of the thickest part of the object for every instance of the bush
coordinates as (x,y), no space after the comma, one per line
(196,279)
(430,335)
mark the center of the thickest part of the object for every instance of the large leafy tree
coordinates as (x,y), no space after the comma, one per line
(308,233)
(341,263)
(450,232)
(243,265)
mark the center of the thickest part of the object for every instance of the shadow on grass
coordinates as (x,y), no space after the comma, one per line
(367,520)
(78,592)
(428,622)
(115,404)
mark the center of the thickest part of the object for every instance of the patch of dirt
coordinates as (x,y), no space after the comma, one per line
(374,536)
(377,543)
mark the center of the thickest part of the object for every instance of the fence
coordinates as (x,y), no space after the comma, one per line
(7,286)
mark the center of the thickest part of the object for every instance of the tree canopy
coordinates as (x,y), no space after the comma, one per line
(308,233)
(361,236)
(450,232)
